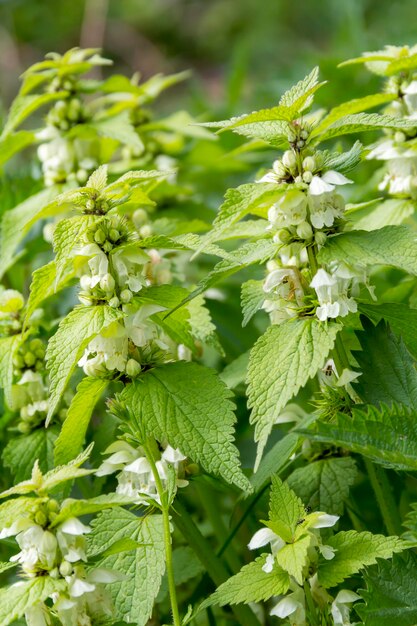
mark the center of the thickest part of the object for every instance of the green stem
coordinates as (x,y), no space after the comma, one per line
(311,253)
(384,496)
(215,568)
(167,535)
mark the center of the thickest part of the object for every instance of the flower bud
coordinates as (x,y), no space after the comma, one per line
(85,282)
(140,216)
(29,359)
(320,237)
(126,296)
(309,164)
(145,231)
(307,177)
(11,301)
(90,205)
(66,568)
(279,169)
(272,265)
(114,302)
(285,236)
(107,246)
(81,175)
(304,231)
(298,179)
(23,428)
(399,137)
(54,573)
(35,344)
(289,159)
(133,368)
(40,518)
(99,236)
(53,505)
(18,361)
(291,135)
(114,235)
(107,283)
(304,134)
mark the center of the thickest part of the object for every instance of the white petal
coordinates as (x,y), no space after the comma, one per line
(319,186)
(335,178)
(173,455)
(345,596)
(269,564)
(102,575)
(80,587)
(139,466)
(261,538)
(73,526)
(325,521)
(285,607)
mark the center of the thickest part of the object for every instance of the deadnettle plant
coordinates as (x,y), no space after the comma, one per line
(112,348)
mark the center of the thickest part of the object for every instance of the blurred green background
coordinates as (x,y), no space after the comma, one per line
(243,53)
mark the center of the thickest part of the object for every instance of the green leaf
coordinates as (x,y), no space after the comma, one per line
(190,407)
(252,299)
(293,557)
(388,372)
(142,568)
(71,438)
(354,106)
(18,598)
(250,198)
(20,453)
(391,594)
(387,436)
(75,508)
(69,234)
(391,245)
(70,471)
(359,123)
(67,345)
(324,485)
(281,362)
(377,214)
(235,373)
(23,106)
(353,552)
(285,509)
(275,460)
(44,285)
(202,327)
(118,127)
(18,507)
(251,584)
(13,143)
(17,222)
(401,319)
(8,346)
(344,161)
(299,96)
(98,179)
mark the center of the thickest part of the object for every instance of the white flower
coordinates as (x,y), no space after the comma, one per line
(110,346)
(327,552)
(341,607)
(128,265)
(331,290)
(293,604)
(324,520)
(261,538)
(289,210)
(138,328)
(325,208)
(98,262)
(327,182)
(38,615)
(79,587)
(70,536)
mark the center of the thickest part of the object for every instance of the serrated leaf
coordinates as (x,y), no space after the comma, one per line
(300,95)
(69,471)
(72,435)
(17,507)
(293,557)
(44,285)
(285,508)
(23,106)
(8,346)
(17,598)
(251,299)
(235,373)
(202,327)
(67,345)
(388,371)
(401,319)
(251,584)
(20,453)
(391,245)
(281,362)
(17,222)
(391,594)
(353,552)
(344,161)
(354,106)
(98,179)
(376,215)
(75,508)
(359,123)
(119,128)
(239,202)
(189,406)
(324,485)
(68,234)
(142,568)
(387,436)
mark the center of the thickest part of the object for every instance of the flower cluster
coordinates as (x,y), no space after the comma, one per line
(292,606)
(135,477)
(307,211)
(58,551)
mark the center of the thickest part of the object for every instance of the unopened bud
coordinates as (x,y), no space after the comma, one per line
(320,237)
(107,246)
(140,216)
(66,568)
(399,137)
(85,282)
(107,283)
(307,177)
(289,159)
(284,236)
(40,518)
(145,231)
(90,205)
(304,134)
(114,235)
(114,302)
(304,231)
(133,368)
(30,359)
(279,169)
(126,295)
(309,164)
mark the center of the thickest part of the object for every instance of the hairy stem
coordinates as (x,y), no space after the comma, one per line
(167,536)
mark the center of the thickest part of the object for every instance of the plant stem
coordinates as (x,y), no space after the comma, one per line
(215,568)
(167,536)
(311,253)
(383,492)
